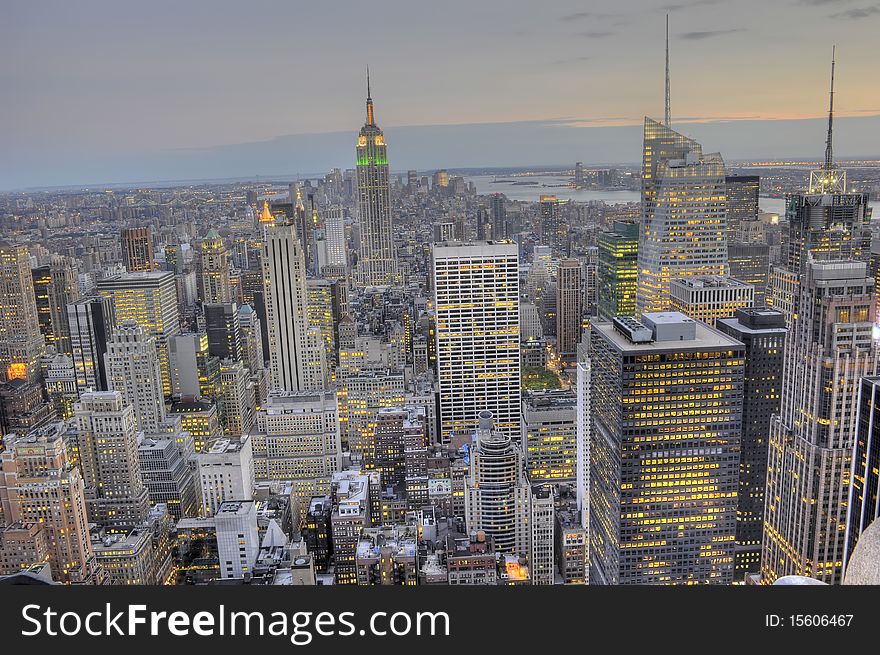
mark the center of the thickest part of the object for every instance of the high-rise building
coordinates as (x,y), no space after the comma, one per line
(549,436)
(476,291)
(333,255)
(684,203)
(709,298)
(132,365)
(864,493)
(108,451)
(762,331)
(238,540)
(554,231)
(150,300)
(137,249)
(39,486)
(226,472)
(750,263)
(542,525)
(21,343)
(664,460)
(377,261)
(583,435)
(296,439)
(830,346)
(742,201)
(496,492)
(236,400)
(216,286)
(569,308)
(55,286)
(167,476)
(618,270)
(296,354)
(91,322)
(224,330)
(498,207)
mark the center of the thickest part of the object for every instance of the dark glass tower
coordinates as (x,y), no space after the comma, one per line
(762,331)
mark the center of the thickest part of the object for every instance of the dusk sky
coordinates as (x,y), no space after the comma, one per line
(120,92)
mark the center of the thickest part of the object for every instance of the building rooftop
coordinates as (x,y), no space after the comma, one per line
(699,336)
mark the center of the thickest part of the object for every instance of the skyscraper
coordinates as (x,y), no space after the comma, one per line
(497,494)
(150,300)
(825,223)
(137,249)
(830,346)
(762,331)
(476,292)
(707,298)
(21,343)
(864,494)
(39,485)
(91,322)
(498,205)
(55,286)
(216,285)
(742,201)
(132,364)
(377,263)
(664,460)
(553,231)
(618,270)
(569,308)
(108,450)
(224,330)
(296,354)
(684,204)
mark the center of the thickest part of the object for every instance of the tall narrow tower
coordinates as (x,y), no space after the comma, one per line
(376,265)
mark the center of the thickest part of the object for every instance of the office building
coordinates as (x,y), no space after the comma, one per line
(21,343)
(296,355)
(569,308)
(667,397)
(40,486)
(476,291)
(864,493)
(742,201)
(55,286)
(296,439)
(762,331)
(224,331)
(150,300)
(684,202)
(496,493)
(549,436)
(225,470)
(238,541)
(167,476)
(542,526)
(377,260)
(91,322)
(618,270)
(137,249)
(750,263)
(830,347)
(216,285)
(236,398)
(707,299)
(554,231)
(132,365)
(108,451)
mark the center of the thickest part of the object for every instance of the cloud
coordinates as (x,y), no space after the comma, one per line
(858,13)
(710,34)
(819,3)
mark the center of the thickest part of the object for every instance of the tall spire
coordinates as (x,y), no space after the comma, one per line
(667,119)
(369,101)
(829,159)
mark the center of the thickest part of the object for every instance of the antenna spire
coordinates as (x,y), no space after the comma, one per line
(829,159)
(369,100)
(667,119)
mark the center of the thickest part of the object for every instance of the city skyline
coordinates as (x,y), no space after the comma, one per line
(145,115)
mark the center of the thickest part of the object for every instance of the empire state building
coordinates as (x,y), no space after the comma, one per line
(376,265)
